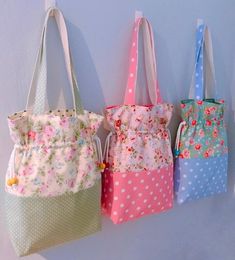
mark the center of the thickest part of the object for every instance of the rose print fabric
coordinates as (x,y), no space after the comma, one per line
(138,179)
(204,134)
(201,146)
(142,139)
(54,153)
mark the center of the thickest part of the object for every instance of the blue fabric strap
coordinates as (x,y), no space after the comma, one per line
(199,57)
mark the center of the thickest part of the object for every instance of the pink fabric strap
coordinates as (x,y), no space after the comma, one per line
(150,64)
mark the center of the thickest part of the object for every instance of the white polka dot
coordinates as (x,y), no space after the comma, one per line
(115,198)
(130,90)
(197,86)
(151,193)
(133,44)
(122,205)
(142,213)
(123,190)
(123,175)
(131,75)
(135,188)
(131,216)
(185,163)
(128,197)
(157,184)
(155,198)
(185,176)
(153,179)
(133,202)
(145,201)
(138,208)
(105,195)
(142,181)
(149,206)
(127,210)
(183,188)
(129,182)
(147,187)
(110,190)
(121,219)
(117,183)
(110,204)
(132,59)
(137,174)
(115,213)
(140,194)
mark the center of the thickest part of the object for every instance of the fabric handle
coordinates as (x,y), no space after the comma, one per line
(37,93)
(149,61)
(203,84)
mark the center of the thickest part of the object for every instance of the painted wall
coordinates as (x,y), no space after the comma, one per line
(100,39)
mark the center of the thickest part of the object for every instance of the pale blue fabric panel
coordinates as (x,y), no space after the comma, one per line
(200,177)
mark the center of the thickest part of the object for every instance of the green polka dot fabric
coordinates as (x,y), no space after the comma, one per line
(37,223)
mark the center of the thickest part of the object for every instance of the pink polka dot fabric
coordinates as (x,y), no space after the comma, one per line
(130,195)
(138,180)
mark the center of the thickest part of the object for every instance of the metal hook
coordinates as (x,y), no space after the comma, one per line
(49,4)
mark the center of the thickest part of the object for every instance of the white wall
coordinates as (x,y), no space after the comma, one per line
(100,39)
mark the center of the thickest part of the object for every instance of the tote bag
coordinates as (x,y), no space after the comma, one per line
(53,181)
(138,179)
(201,146)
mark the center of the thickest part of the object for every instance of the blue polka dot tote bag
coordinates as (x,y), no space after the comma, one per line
(201,144)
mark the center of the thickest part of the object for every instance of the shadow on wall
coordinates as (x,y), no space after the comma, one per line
(89,87)
(231,127)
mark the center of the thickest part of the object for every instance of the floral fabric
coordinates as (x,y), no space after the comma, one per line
(204,134)
(54,153)
(141,139)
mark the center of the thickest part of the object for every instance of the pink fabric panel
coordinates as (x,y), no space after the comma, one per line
(130,195)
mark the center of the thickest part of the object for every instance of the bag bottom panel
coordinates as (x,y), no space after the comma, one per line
(200,177)
(130,195)
(38,223)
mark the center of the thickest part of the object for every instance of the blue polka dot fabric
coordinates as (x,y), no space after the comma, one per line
(199,177)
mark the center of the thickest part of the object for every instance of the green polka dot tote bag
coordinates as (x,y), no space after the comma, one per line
(53,183)
(201,145)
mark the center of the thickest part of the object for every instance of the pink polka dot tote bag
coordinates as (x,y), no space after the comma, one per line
(53,184)
(138,179)
(201,146)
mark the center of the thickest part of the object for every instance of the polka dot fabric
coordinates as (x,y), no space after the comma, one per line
(130,195)
(199,178)
(139,178)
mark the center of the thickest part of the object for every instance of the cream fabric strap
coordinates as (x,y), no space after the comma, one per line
(37,93)
(209,83)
